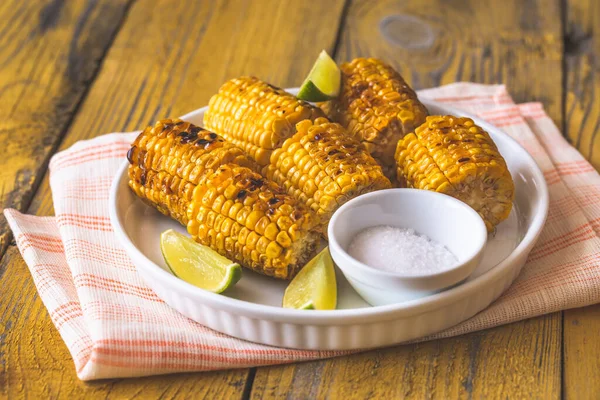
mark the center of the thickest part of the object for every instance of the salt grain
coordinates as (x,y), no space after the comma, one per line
(393,249)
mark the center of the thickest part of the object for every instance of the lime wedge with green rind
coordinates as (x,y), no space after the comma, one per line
(197,264)
(314,287)
(323,81)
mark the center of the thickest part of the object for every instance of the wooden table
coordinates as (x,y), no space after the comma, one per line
(71,70)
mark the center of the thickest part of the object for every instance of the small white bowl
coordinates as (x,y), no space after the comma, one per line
(440,217)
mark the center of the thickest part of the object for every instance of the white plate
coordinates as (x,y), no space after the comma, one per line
(251,309)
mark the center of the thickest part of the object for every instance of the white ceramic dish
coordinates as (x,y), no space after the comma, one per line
(442,218)
(251,309)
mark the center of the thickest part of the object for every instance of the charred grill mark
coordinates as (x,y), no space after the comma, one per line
(130,154)
(464,159)
(318,137)
(356,91)
(359,88)
(255,184)
(272,87)
(243,182)
(371,99)
(273,200)
(186,137)
(241,194)
(213,136)
(189,136)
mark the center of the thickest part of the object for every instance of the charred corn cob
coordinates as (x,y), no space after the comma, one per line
(378,104)
(454,156)
(256,116)
(167,193)
(249,219)
(323,166)
(168,160)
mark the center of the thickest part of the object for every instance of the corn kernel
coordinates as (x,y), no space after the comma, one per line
(454,156)
(376,106)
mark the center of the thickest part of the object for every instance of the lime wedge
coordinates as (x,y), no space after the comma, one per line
(323,80)
(197,264)
(314,287)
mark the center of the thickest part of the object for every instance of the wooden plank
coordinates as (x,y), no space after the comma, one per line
(168,59)
(581,350)
(180,68)
(35,363)
(489,364)
(435,42)
(582,62)
(581,353)
(49,52)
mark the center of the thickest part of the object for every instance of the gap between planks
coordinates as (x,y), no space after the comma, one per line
(43,167)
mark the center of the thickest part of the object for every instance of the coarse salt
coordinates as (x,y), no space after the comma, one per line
(394,249)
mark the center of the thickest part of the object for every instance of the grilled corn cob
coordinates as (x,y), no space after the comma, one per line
(167,193)
(168,160)
(378,104)
(454,156)
(323,166)
(256,116)
(247,218)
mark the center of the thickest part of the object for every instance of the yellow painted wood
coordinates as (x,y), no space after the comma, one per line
(184,64)
(581,353)
(168,58)
(437,42)
(49,50)
(491,364)
(582,123)
(36,364)
(160,66)
(582,62)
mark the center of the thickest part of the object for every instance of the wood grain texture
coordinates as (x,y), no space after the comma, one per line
(149,76)
(49,51)
(581,353)
(434,42)
(168,58)
(438,42)
(34,362)
(492,364)
(582,126)
(582,63)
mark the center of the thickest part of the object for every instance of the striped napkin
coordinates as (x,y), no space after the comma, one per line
(115,326)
